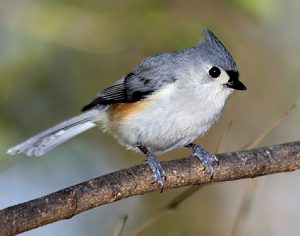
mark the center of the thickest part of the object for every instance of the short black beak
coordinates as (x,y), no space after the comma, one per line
(234,82)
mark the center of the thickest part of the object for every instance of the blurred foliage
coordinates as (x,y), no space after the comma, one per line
(56,55)
(257,8)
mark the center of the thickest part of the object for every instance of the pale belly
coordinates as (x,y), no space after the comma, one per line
(161,127)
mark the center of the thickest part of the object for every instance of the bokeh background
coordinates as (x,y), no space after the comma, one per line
(56,55)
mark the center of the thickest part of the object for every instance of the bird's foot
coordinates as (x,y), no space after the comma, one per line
(205,157)
(158,172)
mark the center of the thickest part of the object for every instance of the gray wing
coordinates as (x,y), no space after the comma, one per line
(149,76)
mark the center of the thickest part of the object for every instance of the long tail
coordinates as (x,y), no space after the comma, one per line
(45,141)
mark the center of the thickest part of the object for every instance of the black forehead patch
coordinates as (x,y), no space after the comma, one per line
(234,75)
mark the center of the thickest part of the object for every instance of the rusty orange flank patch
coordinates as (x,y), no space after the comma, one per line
(119,111)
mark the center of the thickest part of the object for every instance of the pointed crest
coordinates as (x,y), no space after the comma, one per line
(213,43)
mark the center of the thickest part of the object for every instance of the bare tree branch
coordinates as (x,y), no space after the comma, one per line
(138,180)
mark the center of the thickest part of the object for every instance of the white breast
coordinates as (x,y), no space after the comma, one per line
(173,117)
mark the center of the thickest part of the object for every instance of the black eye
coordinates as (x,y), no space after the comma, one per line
(214,72)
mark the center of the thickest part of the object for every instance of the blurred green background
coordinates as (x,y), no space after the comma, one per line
(56,55)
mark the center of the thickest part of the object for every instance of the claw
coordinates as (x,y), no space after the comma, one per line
(158,172)
(216,160)
(204,156)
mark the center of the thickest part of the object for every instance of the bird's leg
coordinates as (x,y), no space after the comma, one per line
(158,171)
(204,156)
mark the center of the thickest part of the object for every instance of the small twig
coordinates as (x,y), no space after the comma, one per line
(250,190)
(221,144)
(169,208)
(256,140)
(120,228)
(138,180)
(151,221)
(245,207)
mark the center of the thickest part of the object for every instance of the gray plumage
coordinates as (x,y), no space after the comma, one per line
(181,101)
(47,140)
(155,71)
(214,51)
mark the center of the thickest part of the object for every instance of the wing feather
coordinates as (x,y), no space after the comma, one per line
(149,76)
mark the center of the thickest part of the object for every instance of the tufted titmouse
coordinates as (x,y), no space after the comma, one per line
(166,102)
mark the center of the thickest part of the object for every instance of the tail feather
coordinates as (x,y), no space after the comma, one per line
(45,141)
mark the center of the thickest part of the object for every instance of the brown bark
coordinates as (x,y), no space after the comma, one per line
(137,180)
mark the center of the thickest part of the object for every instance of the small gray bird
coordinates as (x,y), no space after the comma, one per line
(166,102)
